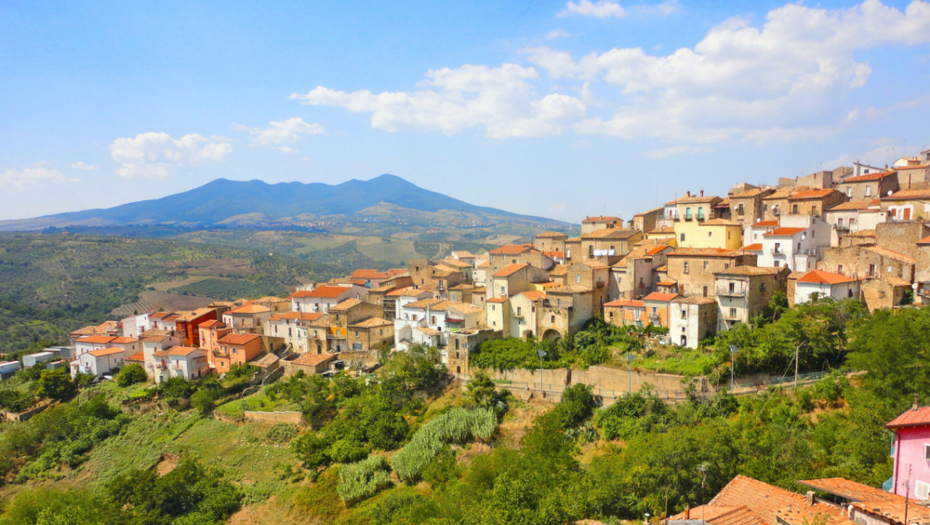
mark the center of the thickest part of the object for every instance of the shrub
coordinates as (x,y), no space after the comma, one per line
(131,375)
(361,480)
(281,433)
(203,402)
(458,425)
(56,384)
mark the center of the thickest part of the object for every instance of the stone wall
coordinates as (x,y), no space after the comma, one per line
(293,418)
(607,382)
(24,416)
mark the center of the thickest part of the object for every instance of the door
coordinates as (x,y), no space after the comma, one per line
(907,214)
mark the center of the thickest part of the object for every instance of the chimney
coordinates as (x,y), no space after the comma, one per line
(809,496)
(915,402)
(689,193)
(687,513)
(702,193)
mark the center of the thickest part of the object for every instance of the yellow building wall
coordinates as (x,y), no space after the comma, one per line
(698,235)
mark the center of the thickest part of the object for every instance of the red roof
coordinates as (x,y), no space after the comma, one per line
(868,177)
(812,194)
(498,300)
(534,295)
(661,297)
(124,340)
(138,356)
(325,292)
(925,240)
(821,277)
(97,339)
(756,247)
(303,316)
(765,501)
(624,302)
(600,218)
(211,323)
(767,223)
(368,274)
(509,270)
(239,339)
(106,351)
(513,249)
(914,417)
(784,232)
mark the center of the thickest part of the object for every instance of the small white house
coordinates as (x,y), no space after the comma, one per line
(9,367)
(825,284)
(135,325)
(98,362)
(32,360)
(182,361)
(322,298)
(797,243)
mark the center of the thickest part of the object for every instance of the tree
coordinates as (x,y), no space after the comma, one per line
(480,389)
(203,402)
(56,384)
(131,375)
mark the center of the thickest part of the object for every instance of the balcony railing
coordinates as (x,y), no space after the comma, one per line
(776,251)
(739,291)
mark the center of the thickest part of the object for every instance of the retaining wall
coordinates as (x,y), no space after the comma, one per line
(293,418)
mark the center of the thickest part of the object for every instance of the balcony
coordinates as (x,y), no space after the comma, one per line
(776,251)
(724,291)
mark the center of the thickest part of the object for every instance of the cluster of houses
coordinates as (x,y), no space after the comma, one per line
(697,265)
(903,500)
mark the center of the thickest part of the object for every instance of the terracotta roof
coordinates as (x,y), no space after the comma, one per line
(160,315)
(572,288)
(423,303)
(660,297)
(600,218)
(97,339)
(888,254)
(694,300)
(194,314)
(654,210)
(750,271)
(784,193)
(721,222)
(238,339)
(624,302)
(911,418)
(908,195)
(766,223)
(718,515)
(661,269)
(886,505)
(765,501)
(868,177)
(212,323)
(811,194)
(106,351)
(656,249)
(663,229)
(465,308)
(558,270)
(455,263)
(498,300)
(465,254)
(513,249)
(314,359)
(894,280)
(925,240)
(554,254)
(345,305)
(749,193)
(551,235)
(573,240)
(367,273)
(509,270)
(861,233)
(250,309)
(326,292)
(299,316)
(427,331)
(695,199)
(818,276)
(666,283)
(783,232)
(182,351)
(124,340)
(534,295)
(704,252)
(610,233)
(851,206)
(371,322)
(138,357)
(755,247)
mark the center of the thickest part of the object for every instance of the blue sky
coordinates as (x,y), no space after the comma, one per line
(551,108)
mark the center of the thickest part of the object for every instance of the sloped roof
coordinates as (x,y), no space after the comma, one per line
(345,305)
(754,247)
(238,339)
(423,303)
(324,292)
(513,249)
(719,515)
(647,212)
(560,269)
(106,351)
(124,340)
(751,270)
(908,195)
(703,252)
(721,222)
(783,232)
(925,240)
(372,322)
(551,235)
(694,300)
(610,233)
(868,177)
(464,254)
(212,323)
(367,273)
(572,288)
(314,359)
(534,295)
(509,270)
(137,357)
(885,505)
(299,316)
(822,277)
(888,254)
(97,339)
(811,194)
(250,309)
(625,302)
(660,297)
(765,224)
(182,351)
(600,218)
(765,501)
(912,417)
(851,206)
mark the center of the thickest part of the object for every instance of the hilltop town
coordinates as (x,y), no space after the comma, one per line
(674,276)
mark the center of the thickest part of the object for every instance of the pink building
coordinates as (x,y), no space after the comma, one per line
(912,453)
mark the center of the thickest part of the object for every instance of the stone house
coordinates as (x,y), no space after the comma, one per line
(608,245)
(742,292)
(550,242)
(814,202)
(247,318)
(461,344)
(713,233)
(914,177)
(370,334)
(522,309)
(922,272)
(590,274)
(573,250)
(693,268)
(369,277)
(462,293)
(591,224)
(459,266)
(869,186)
(798,244)
(345,314)
(747,207)
(309,364)
(886,292)
(658,308)
(854,216)
(464,256)
(907,205)
(868,262)
(825,284)
(317,334)
(625,312)
(286,326)
(321,298)
(646,221)
(513,279)
(697,320)
(504,256)
(696,207)
(564,311)
(633,276)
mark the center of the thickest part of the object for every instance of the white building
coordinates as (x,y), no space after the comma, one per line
(288,327)
(692,319)
(322,298)
(98,362)
(181,361)
(797,243)
(825,284)
(9,367)
(135,325)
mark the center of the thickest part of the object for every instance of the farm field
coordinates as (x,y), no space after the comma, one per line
(154,301)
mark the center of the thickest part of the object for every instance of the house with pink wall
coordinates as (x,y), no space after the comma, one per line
(911,453)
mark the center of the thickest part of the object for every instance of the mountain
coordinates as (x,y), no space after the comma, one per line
(258,203)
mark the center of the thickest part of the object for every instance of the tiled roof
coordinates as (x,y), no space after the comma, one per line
(512,249)
(610,233)
(600,218)
(660,297)
(558,270)
(124,340)
(661,269)
(717,515)
(811,194)
(213,323)
(749,193)
(372,322)
(755,247)
(106,351)
(694,199)
(894,280)
(138,357)
(300,316)
(861,233)
(238,339)
(554,254)
(326,292)
(453,263)
(624,302)
(345,305)
(571,288)
(551,235)
(888,254)
(367,273)
(765,501)
(314,359)
(427,331)
(463,308)
(766,223)
(750,271)
(911,418)
(509,270)
(925,240)
(647,212)
(886,505)
(868,177)
(534,295)
(721,222)
(656,249)
(666,283)
(182,351)
(423,303)
(908,195)
(783,232)
(97,339)
(703,252)
(466,255)
(250,309)
(663,229)
(498,300)
(851,206)
(821,277)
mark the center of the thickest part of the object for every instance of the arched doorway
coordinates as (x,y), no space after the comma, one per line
(552,335)
(684,340)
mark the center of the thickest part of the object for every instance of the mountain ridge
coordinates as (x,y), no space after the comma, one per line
(222,199)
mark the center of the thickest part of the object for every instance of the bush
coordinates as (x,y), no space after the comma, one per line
(203,402)
(361,480)
(281,433)
(458,425)
(131,375)
(56,384)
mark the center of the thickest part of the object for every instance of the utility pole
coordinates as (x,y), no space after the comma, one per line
(733,351)
(541,354)
(797,353)
(629,367)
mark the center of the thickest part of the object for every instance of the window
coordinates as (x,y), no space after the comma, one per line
(552,320)
(794,209)
(726,266)
(493,308)
(682,237)
(654,312)
(610,315)
(432,319)
(710,234)
(684,314)
(871,270)
(235,351)
(849,191)
(868,190)
(839,268)
(518,310)
(704,291)
(700,213)
(578,278)
(921,490)
(728,235)
(705,264)
(687,214)
(839,222)
(356,333)
(686,268)
(777,264)
(732,313)
(381,331)
(732,287)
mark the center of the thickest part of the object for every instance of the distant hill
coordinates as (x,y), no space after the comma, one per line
(258,203)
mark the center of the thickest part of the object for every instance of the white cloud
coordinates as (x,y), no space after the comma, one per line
(664,9)
(674,150)
(600,9)
(501,100)
(283,132)
(83,166)
(30,178)
(152,154)
(556,33)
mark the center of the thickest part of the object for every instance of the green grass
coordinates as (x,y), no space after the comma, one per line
(674,360)
(257,402)
(394,252)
